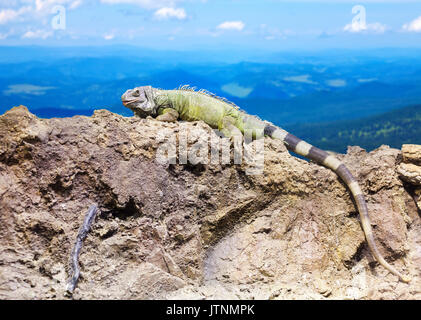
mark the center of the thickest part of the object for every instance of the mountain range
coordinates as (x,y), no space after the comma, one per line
(315,93)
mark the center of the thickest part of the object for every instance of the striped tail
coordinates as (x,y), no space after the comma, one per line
(322,157)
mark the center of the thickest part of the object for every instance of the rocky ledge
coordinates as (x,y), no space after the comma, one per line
(195,231)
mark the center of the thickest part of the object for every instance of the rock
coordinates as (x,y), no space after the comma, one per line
(410,170)
(417,195)
(411,173)
(195,230)
(322,287)
(411,153)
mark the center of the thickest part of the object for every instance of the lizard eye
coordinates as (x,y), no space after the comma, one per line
(136,93)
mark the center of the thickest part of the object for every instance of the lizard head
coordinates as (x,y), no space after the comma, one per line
(140,101)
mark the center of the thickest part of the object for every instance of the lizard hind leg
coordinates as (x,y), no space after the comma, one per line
(229,130)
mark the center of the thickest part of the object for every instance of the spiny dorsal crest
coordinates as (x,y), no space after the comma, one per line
(187,87)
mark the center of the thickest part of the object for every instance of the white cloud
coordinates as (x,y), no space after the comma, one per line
(42,5)
(36,14)
(352,1)
(8,3)
(377,27)
(37,34)
(109,36)
(271,33)
(231,25)
(170,13)
(75,4)
(45,6)
(8,15)
(413,26)
(148,4)
(357,27)
(7,34)
(32,10)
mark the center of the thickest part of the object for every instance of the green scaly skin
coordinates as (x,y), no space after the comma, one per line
(189,105)
(197,106)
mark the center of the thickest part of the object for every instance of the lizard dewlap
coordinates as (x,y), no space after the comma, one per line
(189,105)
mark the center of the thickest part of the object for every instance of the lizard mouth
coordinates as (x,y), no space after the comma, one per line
(127,102)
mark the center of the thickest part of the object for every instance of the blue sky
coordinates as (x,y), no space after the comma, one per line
(201,24)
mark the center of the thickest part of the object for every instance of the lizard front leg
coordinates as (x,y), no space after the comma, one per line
(168,115)
(229,130)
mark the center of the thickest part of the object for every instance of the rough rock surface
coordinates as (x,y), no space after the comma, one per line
(411,173)
(411,153)
(192,231)
(410,169)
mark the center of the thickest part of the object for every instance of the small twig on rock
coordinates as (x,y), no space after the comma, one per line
(83,232)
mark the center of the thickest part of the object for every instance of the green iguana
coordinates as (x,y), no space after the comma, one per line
(190,105)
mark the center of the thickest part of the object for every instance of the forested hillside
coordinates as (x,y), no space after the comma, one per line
(393,128)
